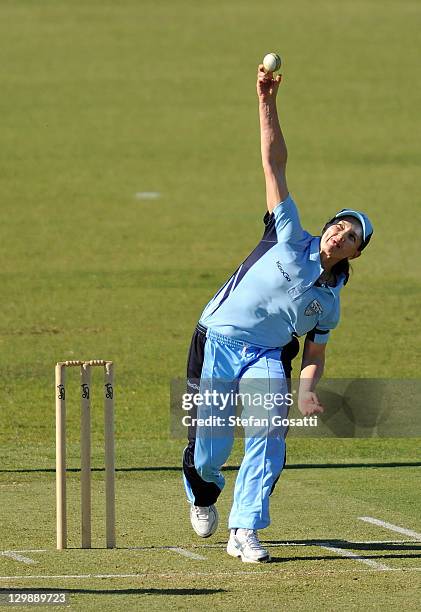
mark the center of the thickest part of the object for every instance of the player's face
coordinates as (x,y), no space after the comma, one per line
(342,239)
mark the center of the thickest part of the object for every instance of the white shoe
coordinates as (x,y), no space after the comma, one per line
(244,543)
(204,520)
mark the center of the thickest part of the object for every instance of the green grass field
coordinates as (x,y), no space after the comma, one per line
(102,101)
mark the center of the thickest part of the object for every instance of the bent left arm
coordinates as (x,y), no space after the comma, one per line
(312,367)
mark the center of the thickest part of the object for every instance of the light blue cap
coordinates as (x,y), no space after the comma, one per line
(363,219)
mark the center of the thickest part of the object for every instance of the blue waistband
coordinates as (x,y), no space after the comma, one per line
(227,340)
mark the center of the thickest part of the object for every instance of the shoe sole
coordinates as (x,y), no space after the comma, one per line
(207,535)
(234,552)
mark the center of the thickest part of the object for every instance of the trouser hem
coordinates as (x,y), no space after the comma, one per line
(248,522)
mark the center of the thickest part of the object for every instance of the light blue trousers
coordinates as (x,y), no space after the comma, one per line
(232,366)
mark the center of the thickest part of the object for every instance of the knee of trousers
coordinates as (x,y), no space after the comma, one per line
(278,469)
(209,460)
(276,455)
(205,471)
(206,468)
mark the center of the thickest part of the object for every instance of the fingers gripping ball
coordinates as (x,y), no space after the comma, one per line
(272,62)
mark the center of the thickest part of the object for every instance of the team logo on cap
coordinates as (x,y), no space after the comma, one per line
(313,308)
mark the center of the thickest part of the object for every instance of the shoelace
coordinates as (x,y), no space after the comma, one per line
(252,539)
(201,512)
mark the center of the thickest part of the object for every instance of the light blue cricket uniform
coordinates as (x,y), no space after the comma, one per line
(269,299)
(272,296)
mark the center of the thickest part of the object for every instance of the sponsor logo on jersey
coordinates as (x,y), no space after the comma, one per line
(282,271)
(313,308)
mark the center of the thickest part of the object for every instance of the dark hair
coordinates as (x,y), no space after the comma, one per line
(343,266)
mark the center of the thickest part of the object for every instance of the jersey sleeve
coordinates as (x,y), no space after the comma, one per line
(286,221)
(320,334)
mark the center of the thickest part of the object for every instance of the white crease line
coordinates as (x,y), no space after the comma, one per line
(306,544)
(75,576)
(348,553)
(147,195)
(29,550)
(384,542)
(211,546)
(278,544)
(391,527)
(17,557)
(186,553)
(171,576)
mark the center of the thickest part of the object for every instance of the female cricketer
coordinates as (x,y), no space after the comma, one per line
(287,287)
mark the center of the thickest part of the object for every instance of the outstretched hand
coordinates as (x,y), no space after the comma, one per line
(267,84)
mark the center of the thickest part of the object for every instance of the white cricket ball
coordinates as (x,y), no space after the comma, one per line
(272,62)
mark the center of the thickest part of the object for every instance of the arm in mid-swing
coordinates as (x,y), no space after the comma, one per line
(312,367)
(274,161)
(273,147)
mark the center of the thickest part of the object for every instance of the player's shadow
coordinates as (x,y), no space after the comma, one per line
(145,591)
(394,550)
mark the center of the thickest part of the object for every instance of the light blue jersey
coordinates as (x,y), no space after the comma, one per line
(272,296)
